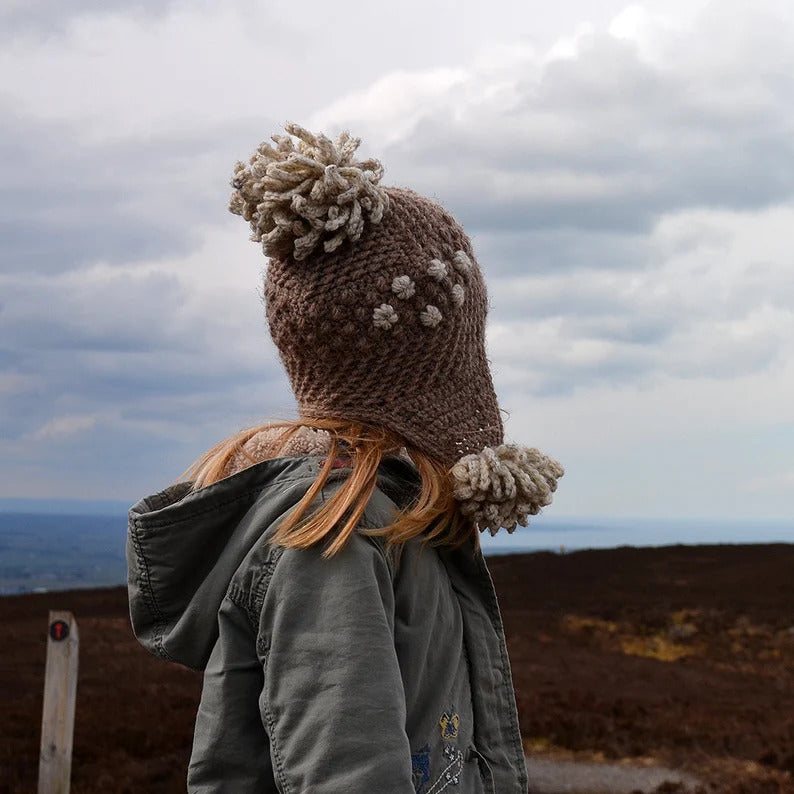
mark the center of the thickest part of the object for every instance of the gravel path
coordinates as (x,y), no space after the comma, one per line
(547,776)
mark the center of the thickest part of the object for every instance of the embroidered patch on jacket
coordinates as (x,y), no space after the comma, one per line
(420,768)
(449,725)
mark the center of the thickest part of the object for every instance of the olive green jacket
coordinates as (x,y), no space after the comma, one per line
(360,673)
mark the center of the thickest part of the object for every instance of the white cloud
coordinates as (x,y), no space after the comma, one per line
(148,70)
(63,426)
(712,297)
(127,75)
(781,482)
(14,383)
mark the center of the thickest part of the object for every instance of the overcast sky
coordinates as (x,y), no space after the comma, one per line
(626,174)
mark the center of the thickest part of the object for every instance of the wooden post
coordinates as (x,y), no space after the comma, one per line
(60,689)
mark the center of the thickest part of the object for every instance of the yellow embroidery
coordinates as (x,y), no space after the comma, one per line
(449,725)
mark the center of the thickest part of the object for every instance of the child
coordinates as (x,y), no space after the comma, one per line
(325,574)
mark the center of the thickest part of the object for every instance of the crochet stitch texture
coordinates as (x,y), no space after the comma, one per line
(411,360)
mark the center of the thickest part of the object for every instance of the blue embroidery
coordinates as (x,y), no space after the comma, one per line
(420,768)
(449,725)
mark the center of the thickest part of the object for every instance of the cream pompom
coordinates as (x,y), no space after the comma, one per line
(502,486)
(296,197)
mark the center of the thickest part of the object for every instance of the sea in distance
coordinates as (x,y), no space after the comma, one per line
(63,546)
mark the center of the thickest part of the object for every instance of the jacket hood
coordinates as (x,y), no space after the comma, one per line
(184,546)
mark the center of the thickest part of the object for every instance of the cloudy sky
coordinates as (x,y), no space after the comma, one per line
(626,173)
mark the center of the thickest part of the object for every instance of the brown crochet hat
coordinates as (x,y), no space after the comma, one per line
(377,305)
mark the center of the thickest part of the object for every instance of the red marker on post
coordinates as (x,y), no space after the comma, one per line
(57,719)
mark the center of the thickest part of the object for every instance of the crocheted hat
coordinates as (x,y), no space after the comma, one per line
(377,305)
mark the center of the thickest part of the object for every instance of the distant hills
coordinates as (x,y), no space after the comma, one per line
(61,551)
(65,507)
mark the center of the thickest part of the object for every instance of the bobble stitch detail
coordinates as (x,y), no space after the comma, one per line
(462,262)
(437,269)
(384,317)
(403,287)
(458,295)
(431,316)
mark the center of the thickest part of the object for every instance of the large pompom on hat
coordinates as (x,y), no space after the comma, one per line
(377,305)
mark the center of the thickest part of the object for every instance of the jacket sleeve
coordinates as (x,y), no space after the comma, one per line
(229,753)
(333,702)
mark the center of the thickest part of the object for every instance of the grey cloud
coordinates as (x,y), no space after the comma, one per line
(513,299)
(724,359)
(639,329)
(180,392)
(479,213)
(648,138)
(28,246)
(564,189)
(77,313)
(765,283)
(42,18)
(65,202)
(142,438)
(635,349)
(549,375)
(513,252)
(114,351)
(115,345)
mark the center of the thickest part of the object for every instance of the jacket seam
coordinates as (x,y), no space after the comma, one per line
(506,685)
(365,523)
(149,597)
(170,521)
(486,585)
(262,582)
(380,546)
(271,727)
(251,599)
(241,599)
(162,498)
(255,596)
(248,601)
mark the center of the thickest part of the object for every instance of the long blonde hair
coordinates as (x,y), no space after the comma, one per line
(433,515)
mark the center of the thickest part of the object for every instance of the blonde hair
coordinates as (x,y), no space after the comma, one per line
(433,515)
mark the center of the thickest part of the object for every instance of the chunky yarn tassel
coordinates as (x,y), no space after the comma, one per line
(501,486)
(314,193)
